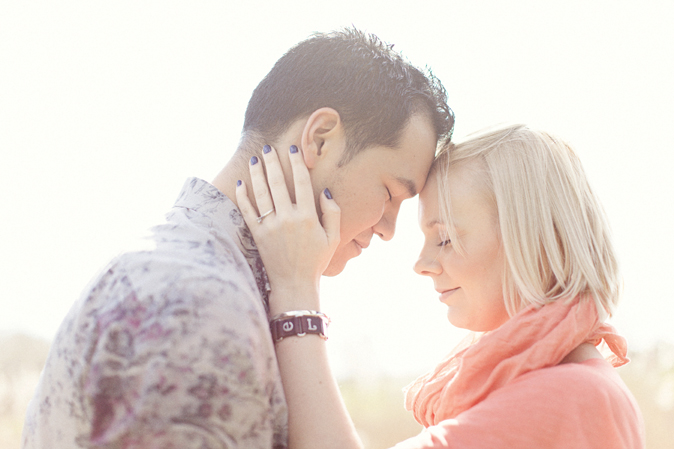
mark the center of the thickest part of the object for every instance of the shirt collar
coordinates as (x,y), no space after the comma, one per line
(225,220)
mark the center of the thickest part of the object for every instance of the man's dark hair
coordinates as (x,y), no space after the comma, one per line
(374,90)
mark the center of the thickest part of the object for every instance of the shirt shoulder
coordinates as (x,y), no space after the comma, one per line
(572,382)
(163,348)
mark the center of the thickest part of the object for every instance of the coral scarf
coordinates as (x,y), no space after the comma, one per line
(536,337)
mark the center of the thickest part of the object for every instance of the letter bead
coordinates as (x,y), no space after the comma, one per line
(299,323)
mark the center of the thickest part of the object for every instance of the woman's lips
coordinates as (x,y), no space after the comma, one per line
(446,294)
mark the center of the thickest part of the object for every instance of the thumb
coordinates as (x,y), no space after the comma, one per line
(331,214)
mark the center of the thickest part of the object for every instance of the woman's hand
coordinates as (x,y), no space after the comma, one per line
(295,247)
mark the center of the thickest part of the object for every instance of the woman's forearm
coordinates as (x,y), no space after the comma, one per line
(318,418)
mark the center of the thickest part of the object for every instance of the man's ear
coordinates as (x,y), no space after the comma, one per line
(322,132)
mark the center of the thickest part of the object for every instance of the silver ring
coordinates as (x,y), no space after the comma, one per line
(259,219)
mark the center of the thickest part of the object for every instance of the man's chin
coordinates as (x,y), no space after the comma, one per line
(336,266)
(341,257)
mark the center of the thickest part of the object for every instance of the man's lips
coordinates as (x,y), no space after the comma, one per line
(362,244)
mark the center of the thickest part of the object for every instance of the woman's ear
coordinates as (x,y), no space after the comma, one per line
(322,132)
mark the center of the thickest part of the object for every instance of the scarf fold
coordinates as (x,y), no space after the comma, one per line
(537,337)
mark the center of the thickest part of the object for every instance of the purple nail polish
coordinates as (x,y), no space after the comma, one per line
(293,149)
(238,183)
(253,160)
(266,149)
(327,193)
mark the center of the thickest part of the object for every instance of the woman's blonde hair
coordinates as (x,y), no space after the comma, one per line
(554,232)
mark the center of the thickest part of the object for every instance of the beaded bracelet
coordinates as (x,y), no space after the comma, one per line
(299,323)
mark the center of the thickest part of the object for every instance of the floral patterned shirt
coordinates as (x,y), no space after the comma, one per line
(168,347)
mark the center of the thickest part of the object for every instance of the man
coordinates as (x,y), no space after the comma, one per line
(170,347)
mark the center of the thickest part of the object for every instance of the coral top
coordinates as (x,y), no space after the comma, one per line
(574,405)
(507,388)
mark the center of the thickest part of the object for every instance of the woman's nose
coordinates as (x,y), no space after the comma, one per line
(426,266)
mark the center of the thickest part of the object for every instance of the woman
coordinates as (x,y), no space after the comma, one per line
(518,247)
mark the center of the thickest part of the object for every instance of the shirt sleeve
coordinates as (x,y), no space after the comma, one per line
(190,368)
(558,407)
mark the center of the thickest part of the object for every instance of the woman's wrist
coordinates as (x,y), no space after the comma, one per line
(299,323)
(290,298)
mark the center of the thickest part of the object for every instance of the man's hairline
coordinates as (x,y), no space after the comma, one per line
(421,110)
(255,136)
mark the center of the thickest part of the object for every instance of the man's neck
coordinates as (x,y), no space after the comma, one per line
(238,169)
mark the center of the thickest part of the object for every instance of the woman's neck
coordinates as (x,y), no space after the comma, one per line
(583,352)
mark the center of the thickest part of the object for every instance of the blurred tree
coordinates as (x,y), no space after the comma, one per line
(21,360)
(650,377)
(375,404)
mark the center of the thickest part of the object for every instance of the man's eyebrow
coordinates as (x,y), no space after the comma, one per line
(409,185)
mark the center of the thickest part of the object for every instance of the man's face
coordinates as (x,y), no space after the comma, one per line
(370,188)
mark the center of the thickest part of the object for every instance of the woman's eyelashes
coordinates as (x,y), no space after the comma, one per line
(444,238)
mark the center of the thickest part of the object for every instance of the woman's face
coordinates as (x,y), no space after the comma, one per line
(469,284)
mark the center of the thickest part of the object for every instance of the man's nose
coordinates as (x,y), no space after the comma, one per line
(386,226)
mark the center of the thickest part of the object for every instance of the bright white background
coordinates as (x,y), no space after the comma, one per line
(106,107)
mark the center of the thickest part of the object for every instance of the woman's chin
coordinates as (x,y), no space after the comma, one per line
(461,321)
(457,319)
